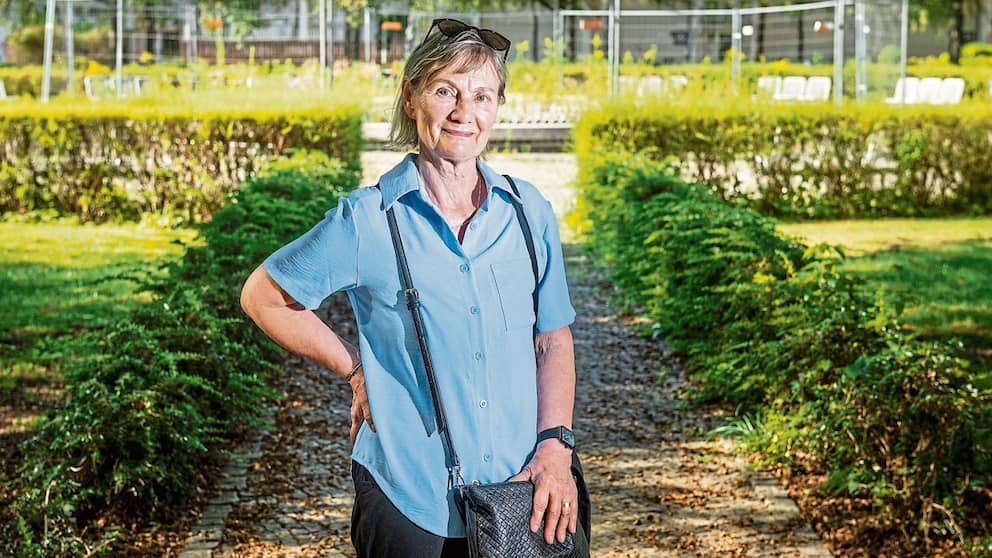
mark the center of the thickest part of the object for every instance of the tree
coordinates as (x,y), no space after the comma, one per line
(946,15)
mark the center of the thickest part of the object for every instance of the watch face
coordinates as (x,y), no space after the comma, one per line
(568,437)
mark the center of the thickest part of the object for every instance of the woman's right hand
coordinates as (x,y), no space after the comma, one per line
(360,411)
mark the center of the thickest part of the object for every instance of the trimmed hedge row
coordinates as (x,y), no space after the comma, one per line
(104,164)
(819,162)
(780,330)
(152,397)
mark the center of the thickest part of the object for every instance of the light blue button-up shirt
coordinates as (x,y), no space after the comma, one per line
(478,317)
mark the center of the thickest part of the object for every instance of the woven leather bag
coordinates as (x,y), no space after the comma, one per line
(497,521)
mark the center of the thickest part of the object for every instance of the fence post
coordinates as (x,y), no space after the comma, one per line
(735,44)
(119,57)
(46,80)
(839,52)
(903,40)
(70,50)
(860,50)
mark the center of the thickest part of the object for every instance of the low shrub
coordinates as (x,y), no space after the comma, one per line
(779,330)
(152,397)
(107,164)
(823,162)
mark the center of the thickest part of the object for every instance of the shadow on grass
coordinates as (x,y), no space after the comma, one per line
(946,290)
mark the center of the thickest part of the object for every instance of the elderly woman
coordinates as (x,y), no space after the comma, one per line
(507,375)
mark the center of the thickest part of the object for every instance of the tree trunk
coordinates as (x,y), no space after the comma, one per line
(956,30)
(534,36)
(761,35)
(800,36)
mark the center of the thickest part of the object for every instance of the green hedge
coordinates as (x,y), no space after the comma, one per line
(150,398)
(103,164)
(816,161)
(779,330)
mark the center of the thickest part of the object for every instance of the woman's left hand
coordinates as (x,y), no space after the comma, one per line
(555,494)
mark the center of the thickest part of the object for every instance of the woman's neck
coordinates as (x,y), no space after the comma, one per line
(455,188)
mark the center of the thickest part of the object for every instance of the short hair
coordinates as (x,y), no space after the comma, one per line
(438,53)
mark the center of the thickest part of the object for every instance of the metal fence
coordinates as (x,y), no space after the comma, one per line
(855,43)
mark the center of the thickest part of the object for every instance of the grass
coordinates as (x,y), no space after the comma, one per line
(62,279)
(940,270)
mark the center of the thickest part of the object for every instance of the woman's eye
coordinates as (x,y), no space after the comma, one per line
(444,92)
(482,98)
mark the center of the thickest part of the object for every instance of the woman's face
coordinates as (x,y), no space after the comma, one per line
(455,112)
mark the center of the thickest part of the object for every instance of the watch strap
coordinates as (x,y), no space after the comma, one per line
(561,433)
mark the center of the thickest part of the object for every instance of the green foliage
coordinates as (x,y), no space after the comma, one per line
(108,164)
(784,332)
(153,394)
(890,54)
(979,51)
(815,161)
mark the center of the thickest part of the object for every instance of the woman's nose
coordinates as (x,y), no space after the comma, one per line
(462,111)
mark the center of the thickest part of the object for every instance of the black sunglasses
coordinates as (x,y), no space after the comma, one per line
(451,28)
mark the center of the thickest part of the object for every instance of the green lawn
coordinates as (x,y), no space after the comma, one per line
(940,268)
(57,280)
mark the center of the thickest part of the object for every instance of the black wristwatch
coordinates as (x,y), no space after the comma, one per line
(560,433)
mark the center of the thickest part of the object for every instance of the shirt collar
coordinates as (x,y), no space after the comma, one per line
(405,178)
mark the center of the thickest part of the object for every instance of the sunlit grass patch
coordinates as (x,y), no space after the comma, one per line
(60,279)
(940,270)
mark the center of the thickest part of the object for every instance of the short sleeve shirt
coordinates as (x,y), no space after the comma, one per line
(479,320)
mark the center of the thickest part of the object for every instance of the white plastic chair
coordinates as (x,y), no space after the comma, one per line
(769,86)
(929,90)
(649,86)
(817,89)
(951,91)
(677,82)
(792,89)
(628,85)
(906,91)
(3,93)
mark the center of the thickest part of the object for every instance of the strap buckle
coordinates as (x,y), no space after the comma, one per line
(455,478)
(412,298)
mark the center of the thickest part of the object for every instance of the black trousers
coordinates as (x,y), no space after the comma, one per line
(379,530)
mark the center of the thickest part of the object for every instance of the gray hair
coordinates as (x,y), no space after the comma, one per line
(438,53)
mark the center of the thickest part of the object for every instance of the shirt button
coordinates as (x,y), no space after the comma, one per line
(487,458)
(478,356)
(483,403)
(474,310)
(463,268)
(473,225)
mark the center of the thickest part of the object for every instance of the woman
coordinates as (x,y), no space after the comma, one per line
(504,373)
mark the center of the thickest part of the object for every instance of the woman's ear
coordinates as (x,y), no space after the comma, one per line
(408,99)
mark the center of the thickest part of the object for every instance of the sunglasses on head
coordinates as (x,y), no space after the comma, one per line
(451,28)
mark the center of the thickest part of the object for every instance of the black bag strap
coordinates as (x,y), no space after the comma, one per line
(529,239)
(412,297)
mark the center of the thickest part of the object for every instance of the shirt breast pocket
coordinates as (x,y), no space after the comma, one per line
(515,286)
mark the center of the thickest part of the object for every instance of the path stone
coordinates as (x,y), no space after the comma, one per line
(661,487)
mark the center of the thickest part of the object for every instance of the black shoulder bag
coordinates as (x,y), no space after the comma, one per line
(497,515)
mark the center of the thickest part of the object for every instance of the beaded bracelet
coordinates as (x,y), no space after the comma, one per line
(353,371)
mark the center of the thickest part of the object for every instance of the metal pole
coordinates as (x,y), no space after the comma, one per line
(839,53)
(617,49)
(735,62)
(120,49)
(322,30)
(330,39)
(903,41)
(70,51)
(860,50)
(367,27)
(611,34)
(46,80)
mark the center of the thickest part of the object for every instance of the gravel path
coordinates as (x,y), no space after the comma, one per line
(660,486)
